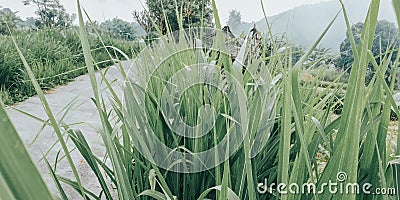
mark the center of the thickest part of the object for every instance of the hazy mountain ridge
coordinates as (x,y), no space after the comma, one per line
(304,24)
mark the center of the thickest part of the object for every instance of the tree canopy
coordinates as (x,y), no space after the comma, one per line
(386,36)
(193,13)
(235,18)
(51,13)
(119,28)
(8,17)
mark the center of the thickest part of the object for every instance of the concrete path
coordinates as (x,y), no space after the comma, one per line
(77,95)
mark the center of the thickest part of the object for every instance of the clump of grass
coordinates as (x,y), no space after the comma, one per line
(5,96)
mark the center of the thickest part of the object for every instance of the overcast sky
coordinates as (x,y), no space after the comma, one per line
(105,9)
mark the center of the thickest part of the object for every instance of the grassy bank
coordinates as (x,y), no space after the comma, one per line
(55,57)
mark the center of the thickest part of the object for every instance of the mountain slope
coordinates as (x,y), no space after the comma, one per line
(304,24)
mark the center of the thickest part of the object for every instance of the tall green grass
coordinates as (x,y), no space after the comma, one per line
(55,57)
(271,124)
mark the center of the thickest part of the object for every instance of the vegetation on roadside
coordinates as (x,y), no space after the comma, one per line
(269,122)
(55,57)
(52,47)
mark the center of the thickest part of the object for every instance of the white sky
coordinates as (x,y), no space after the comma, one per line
(106,9)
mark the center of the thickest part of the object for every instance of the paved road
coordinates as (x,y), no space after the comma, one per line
(76,94)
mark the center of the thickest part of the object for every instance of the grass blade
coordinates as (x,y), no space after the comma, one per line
(19,177)
(396,5)
(49,113)
(347,139)
(58,184)
(123,184)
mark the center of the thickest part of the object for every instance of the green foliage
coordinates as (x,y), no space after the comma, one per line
(192,13)
(28,23)
(56,58)
(8,18)
(386,38)
(396,5)
(119,28)
(235,18)
(329,74)
(51,13)
(286,125)
(280,44)
(292,119)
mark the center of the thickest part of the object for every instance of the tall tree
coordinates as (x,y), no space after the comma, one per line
(193,13)
(119,28)
(235,18)
(8,17)
(386,36)
(51,13)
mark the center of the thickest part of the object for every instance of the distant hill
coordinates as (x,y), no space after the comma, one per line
(304,24)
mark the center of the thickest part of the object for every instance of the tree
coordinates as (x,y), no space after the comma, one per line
(235,18)
(8,17)
(193,13)
(119,28)
(386,36)
(51,13)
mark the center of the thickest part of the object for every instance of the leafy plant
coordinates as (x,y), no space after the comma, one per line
(119,28)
